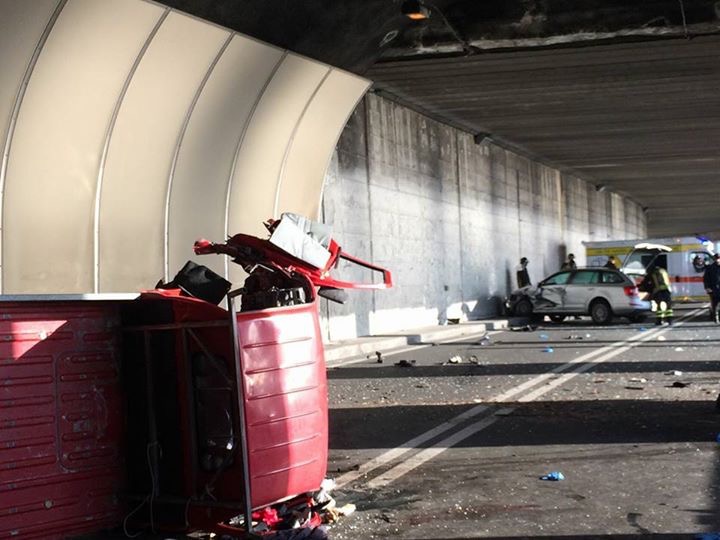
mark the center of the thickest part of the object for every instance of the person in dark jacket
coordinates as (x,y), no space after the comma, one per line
(523,278)
(570,263)
(711,281)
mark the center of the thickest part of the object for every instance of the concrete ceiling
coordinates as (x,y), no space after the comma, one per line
(624,94)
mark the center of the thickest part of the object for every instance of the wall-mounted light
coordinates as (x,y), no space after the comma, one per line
(415,10)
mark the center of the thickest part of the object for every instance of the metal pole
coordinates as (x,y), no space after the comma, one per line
(240,387)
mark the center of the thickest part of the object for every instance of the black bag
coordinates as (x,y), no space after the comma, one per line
(201,282)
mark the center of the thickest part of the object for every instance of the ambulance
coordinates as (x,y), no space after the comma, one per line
(684,258)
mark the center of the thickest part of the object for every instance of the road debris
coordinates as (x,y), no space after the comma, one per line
(661,338)
(543,336)
(574,336)
(548,350)
(638,379)
(526,328)
(634,388)
(554,476)
(405,363)
(674,372)
(457,359)
(679,349)
(679,384)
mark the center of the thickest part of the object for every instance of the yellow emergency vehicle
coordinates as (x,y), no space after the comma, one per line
(684,258)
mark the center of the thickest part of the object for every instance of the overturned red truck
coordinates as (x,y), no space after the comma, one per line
(162,410)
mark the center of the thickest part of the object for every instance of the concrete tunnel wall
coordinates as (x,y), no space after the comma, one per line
(451,219)
(129,130)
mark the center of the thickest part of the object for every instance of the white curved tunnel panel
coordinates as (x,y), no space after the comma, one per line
(141,129)
(314,141)
(22,25)
(264,146)
(136,177)
(56,146)
(207,151)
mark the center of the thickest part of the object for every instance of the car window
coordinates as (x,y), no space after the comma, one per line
(585,277)
(611,277)
(558,279)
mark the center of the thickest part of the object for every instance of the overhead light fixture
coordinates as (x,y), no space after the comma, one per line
(413,9)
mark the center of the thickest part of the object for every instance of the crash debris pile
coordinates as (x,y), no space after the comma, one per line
(302,518)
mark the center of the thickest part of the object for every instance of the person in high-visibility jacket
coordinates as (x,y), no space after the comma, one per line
(657,283)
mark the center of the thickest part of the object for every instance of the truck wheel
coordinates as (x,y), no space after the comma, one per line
(600,312)
(557,318)
(523,308)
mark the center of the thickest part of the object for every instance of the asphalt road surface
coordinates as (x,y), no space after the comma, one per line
(439,448)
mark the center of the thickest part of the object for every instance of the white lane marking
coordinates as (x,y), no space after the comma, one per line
(604,354)
(412,444)
(435,450)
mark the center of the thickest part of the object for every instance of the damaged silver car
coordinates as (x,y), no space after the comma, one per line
(602,293)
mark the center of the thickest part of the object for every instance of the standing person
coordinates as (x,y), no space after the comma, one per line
(523,278)
(657,283)
(569,264)
(612,263)
(711,281)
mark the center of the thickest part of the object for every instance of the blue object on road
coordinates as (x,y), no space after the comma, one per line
(642,329)
(548,349)
(543,336)
(554,476)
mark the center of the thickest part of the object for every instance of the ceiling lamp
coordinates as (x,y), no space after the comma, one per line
(413,9)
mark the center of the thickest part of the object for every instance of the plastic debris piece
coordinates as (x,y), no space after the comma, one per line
(554,476)
(661,338)
(548,350)
(405,363)
(346,509)
(638,379)
(679,349)
(457,359)
(674,372)
(474,359)
(543,336)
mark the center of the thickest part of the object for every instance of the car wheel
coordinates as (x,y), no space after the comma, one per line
(600,312)
(523,308)
(557,318)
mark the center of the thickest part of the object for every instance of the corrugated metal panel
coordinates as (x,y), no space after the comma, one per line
(60,420)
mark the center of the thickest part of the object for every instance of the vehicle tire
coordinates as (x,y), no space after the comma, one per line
(523,308)
(557,318)
(600,312)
